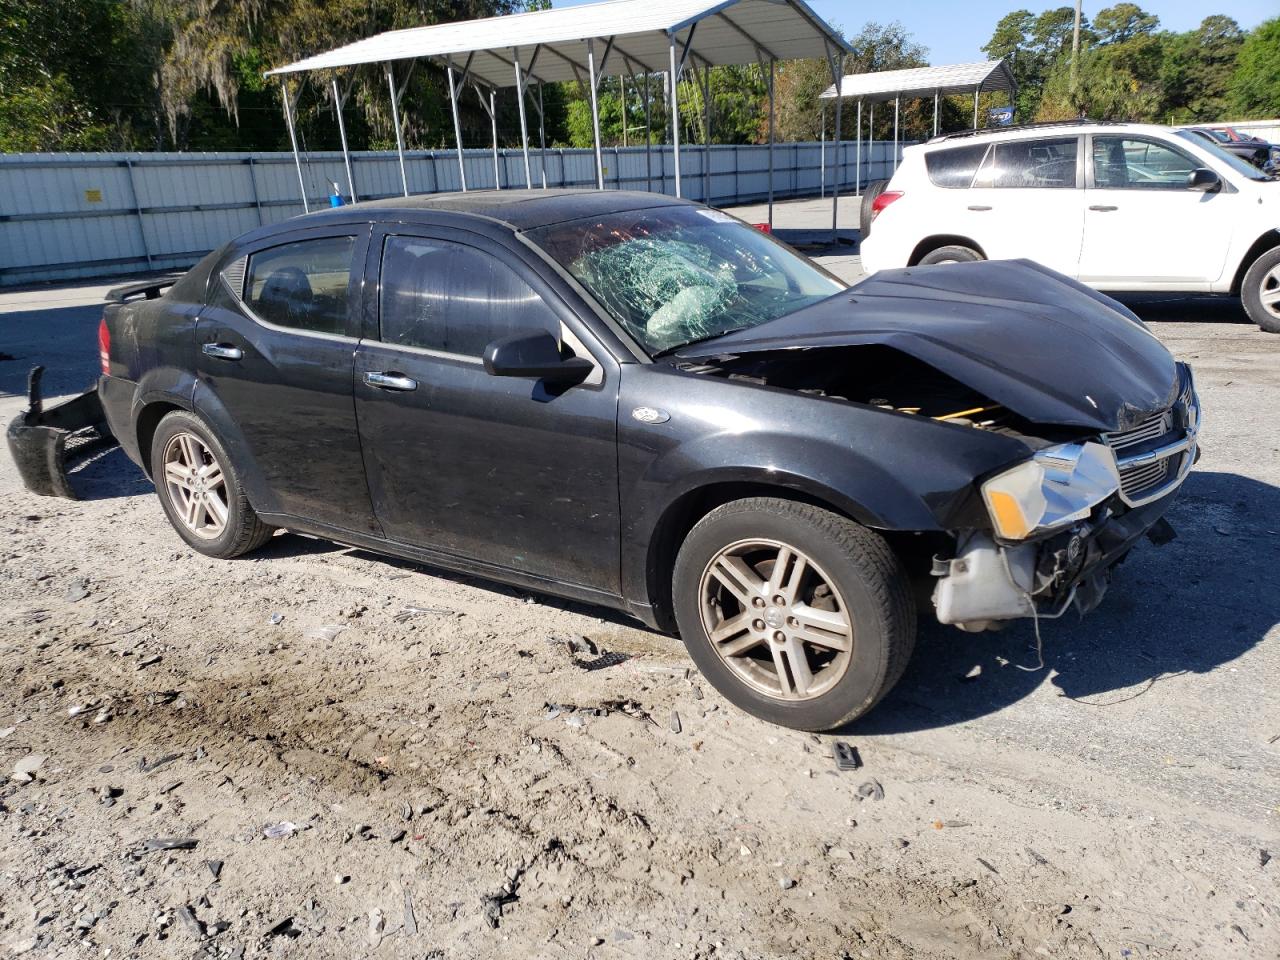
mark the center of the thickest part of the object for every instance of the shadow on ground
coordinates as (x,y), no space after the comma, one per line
(62,339)
(1188,607)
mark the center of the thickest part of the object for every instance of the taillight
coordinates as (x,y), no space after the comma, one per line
(879,203)
(104,345)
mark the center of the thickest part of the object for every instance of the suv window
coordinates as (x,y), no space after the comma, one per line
(453,298)
(302,285)
(954,168)
(1127,163)
(1030,163)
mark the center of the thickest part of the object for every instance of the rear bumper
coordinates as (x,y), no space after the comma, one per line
(46,443)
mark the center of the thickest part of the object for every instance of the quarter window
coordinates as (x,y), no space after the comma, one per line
(453,298)
(954,168)
(1125,163)
(303,285)
(1030,163)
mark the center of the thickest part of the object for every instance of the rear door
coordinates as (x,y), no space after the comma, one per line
(1143,226)
(1026,201)
(493,469)
(275,360)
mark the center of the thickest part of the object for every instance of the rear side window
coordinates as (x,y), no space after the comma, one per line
(1030,163)
(449,297)
(954,168)
(303,285)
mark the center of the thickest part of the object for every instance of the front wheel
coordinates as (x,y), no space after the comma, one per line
(1260,291)
(797,615)
(200,489)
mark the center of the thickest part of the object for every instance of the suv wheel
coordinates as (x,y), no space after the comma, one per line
(797,615)
(953,253)
(200,490)
(1260,291)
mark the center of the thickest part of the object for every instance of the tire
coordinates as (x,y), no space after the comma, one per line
(1263,278)
(874,189)
(953,253)
(219,522)
(864,585)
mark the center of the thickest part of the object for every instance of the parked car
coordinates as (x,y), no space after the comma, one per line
(643,403)
(1121,207)
(1228,134)
(1265,156)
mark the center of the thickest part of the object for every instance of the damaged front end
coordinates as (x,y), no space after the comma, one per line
(47,444)
(1063,519)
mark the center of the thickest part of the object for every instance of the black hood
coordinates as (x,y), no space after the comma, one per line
(1046,347)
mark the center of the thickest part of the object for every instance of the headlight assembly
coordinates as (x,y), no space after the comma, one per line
(1059,485)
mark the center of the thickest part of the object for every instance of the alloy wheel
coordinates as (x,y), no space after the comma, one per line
(196,485)
(1269,291)
(776,619)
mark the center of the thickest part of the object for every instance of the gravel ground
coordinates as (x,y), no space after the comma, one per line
(352,756)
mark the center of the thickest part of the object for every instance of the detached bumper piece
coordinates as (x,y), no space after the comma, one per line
(47,444)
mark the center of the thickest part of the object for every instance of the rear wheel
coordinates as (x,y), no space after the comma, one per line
(200,490)
(952,253)
(1260,291)
(873,190)
(797,615)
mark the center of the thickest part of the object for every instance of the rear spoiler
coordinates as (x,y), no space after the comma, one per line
(146,288)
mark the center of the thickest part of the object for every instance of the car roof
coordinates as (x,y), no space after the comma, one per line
(518,209)
(1036,130)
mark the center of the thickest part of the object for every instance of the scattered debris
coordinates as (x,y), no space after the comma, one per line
(145,767)
(24,771)
(169,843)
(76,590)
(278,831)
(871,790)
(188,917)
(410,921)
(377,923)
(582,645)
(491,911)
(987,865)
(327,633)
(1036,858)
(6,731)
(604,661)
(149,661)
(786,883)
(1264,857)
(974,673)
(214,867)
(674,722)
(845,755)
(408,613)
(277,619)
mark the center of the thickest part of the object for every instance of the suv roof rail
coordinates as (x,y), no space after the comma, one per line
(1044,124)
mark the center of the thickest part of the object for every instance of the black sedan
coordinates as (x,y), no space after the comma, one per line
(643,403)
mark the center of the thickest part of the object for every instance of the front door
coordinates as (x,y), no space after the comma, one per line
(276,347)
(486,468)
(1143,226)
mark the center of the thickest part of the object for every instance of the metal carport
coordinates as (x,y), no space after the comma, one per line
(585,43)
(917,82)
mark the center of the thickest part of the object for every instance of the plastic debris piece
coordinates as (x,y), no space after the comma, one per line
(377,923)
(410,921)
(278,831)
(76,590)
(214,867)
(169,843)
(871,790)
(674,723)
(1264,857)
(786,883)
(987,865)
(24,771)
(326,632)
(277,619)
(408,613)
(846,756)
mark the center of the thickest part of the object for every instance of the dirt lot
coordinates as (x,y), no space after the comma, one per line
(350,756)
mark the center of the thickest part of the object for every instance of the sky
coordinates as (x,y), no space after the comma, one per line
(954,30)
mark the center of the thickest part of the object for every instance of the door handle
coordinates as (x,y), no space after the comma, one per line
(978,207)
(1103,208)
(223,351)
(390,381)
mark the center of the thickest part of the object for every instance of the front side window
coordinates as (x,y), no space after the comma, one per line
(1128,163)
(1046,163)
(443,296)
(302,285)
(676,274)
(954,167)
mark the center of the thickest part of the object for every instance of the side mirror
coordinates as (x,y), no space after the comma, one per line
(1204,180)
(536,356)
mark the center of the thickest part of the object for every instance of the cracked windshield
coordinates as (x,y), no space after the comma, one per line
(676,275)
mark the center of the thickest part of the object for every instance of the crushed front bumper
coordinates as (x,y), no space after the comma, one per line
(46,444)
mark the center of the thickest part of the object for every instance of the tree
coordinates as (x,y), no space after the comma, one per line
(1197,68)
(1255,85)
(1123,22)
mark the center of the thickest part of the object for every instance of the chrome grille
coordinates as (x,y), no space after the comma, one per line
(1149,429)
(1154,456)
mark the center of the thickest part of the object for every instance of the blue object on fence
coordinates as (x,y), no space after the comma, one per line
(1000,116)
(335,198)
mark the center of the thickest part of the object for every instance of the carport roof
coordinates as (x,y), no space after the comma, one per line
(925,81)
(639,32)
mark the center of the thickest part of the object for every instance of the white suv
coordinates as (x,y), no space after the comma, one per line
(1118,206)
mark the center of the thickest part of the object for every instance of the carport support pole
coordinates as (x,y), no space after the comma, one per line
(457,126)
(648,136)
(674,78)
(595,113)
(338,101)
(935,113)
(822,152)
(524,122)
(542,137)
(706,129)
(395,121)
(293,139)
(871,135)
(493,122)
(857,154)
(897,103)
(975,107)
(771,139)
